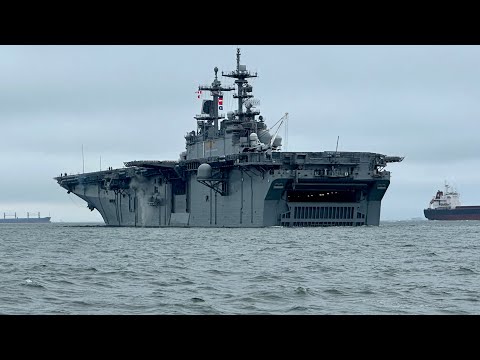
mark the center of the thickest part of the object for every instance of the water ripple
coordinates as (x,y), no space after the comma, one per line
(396,268)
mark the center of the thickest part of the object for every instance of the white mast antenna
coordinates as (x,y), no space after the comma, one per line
(286,134)
(284,117)
(83,162)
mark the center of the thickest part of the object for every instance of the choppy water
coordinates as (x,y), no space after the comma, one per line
(397,268)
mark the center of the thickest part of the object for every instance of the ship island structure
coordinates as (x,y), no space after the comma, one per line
(234,174)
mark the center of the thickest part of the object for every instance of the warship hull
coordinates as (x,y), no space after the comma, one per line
(290,189)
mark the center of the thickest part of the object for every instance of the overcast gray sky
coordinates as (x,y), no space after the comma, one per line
(126,103)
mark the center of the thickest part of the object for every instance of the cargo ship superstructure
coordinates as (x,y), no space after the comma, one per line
(445,205)
(234,174)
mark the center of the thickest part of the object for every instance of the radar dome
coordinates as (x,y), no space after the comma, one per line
(204,171)
(230,115)
(253,137)
(277,141)
(264,136)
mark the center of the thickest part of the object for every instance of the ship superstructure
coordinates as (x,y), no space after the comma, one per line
(447,200)
(234,174)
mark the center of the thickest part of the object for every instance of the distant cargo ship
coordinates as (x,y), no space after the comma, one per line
(13,219)
(446,206)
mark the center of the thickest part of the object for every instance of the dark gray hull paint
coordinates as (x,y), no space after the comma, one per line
(257,194)
(26,220)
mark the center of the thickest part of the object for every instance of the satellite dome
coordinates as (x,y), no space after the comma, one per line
(204,171)
(277,141)
(253,137)
(264,136)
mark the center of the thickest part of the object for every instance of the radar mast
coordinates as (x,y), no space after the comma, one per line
(216,91)
(243,88)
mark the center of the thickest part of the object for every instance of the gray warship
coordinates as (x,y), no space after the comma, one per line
(235,174)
